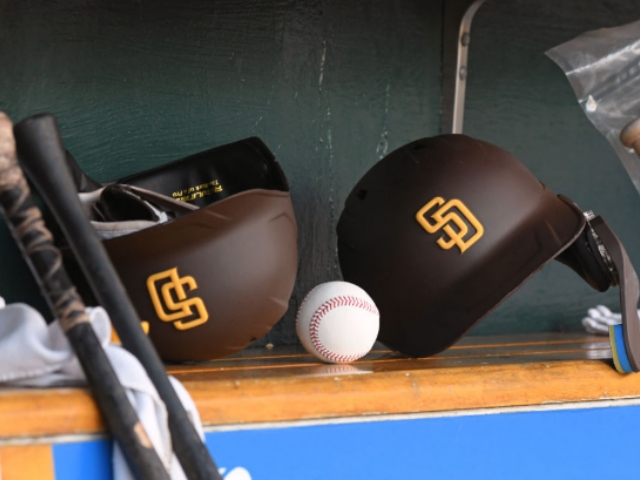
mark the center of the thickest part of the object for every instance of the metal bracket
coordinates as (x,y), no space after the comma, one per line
(456,37)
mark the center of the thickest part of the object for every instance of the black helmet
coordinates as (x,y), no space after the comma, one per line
(442,230)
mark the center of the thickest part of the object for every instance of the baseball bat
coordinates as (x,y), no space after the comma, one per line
(42,155)
(45,261)
(630,135)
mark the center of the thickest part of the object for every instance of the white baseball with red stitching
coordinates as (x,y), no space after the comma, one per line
(338,322)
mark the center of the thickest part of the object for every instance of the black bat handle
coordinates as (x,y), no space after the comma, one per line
(45,261)
(43,157)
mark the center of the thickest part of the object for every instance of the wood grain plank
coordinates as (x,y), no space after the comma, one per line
(26,462)
(352,393)
(285,383)
(42,412)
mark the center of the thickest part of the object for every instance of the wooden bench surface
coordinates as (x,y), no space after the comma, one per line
(287,384)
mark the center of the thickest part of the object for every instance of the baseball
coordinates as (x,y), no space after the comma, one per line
(338,322)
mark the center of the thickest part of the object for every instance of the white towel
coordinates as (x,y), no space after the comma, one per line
(599,319)
(35,354)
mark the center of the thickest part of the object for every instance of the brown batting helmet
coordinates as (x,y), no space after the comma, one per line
(442,230)
(219,273)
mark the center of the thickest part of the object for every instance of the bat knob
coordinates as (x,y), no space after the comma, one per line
(630,135)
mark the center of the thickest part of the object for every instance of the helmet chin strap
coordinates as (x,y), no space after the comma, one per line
(623,274)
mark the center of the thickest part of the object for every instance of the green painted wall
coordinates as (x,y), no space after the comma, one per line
(519,99)
(330,86)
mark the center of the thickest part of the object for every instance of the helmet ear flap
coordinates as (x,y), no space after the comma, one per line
(599,257)
(585,258)
(624,338)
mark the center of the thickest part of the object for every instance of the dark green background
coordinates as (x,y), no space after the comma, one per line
(330,86)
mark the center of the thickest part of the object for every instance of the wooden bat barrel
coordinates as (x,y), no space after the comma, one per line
(630,135)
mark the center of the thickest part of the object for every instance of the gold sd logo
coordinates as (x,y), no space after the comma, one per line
(450,218)
(167,291)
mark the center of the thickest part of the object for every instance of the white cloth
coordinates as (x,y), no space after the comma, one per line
(107,230)
(599,319)
(35,354)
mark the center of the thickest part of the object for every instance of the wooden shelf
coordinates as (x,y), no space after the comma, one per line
(286,384)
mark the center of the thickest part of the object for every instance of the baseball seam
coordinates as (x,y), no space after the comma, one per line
(322,311)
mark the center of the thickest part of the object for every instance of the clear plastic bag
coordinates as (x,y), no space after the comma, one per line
(603,67)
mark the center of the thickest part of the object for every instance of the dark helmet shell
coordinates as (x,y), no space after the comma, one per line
(442,230)
(233,263)
(211,282)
